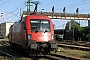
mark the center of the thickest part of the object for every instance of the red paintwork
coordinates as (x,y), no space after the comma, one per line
(39,36)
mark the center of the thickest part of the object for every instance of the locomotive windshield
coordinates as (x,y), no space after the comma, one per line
(38,25)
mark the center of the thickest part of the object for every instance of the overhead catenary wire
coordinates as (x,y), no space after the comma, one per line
(18,9)
(43,1)
(62,4)
(17,12)
(49,4)
(75,4)
(78,4)
(81,4)
(55,4)
(14,13)
(4,2)
(85,10)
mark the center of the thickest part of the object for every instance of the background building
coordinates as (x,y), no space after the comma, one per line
(4,29)
(88,22)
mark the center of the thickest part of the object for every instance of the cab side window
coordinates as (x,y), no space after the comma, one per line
(23,25)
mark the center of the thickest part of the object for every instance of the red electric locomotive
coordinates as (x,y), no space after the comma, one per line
(34,33)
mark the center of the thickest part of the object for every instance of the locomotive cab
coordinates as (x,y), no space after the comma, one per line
(40,34)
(34,33)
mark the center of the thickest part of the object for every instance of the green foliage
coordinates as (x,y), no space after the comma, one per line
(88,35)
(75,27)
(83,33)
(80,33)
(71,24)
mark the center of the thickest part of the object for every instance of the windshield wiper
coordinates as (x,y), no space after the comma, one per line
(45,31)
(36,30)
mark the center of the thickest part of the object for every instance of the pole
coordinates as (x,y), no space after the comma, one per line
(63,31)
(28,7)
(20,13)
(73,31)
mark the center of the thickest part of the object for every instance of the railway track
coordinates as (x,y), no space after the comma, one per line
(47,57)
(5,53)
(78,43)
(75,45)
(64,57)
(54,56)
(11,54)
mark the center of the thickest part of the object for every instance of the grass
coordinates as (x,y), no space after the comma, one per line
(74,52)
(3,57)
(8,58)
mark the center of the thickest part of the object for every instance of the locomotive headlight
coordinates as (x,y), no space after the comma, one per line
(52,37)
(29,36)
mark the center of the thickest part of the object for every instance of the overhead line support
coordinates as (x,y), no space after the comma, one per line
(28,7)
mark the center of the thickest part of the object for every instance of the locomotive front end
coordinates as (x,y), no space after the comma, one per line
(41,35)
(43,45)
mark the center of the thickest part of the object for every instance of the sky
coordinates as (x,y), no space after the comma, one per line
(11,9)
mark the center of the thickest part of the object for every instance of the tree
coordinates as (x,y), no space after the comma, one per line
(79,32)
(71,24)
(88,36)
(75,27)
(86,33)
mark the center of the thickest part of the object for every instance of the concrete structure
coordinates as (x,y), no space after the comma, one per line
(64,16)
(4,28)
(58,15)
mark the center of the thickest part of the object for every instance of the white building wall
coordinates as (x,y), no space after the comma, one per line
(5,28)
(0,29)
(8,25)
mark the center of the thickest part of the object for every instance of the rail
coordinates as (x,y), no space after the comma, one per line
(7,54)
